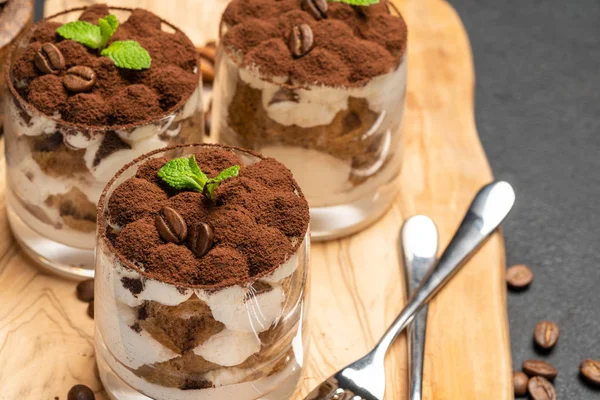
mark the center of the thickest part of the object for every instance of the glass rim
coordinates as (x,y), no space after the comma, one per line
(101,222)
(13,18)
(32,110)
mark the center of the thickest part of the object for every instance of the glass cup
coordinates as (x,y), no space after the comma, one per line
(55,177)
(139,321)
(15,17)
(343,144)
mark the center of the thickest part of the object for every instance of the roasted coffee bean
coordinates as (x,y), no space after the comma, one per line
(49,59)
(546,334)
(90,309)
(520,380)
(301,40)
(284,94)
(79,79)
(81,392)
(540,389)
(590,370)
(170,225)
(316,8)
(539,368)
(201,239)
(519,276)
(208,119)
(85,290)
(207,62)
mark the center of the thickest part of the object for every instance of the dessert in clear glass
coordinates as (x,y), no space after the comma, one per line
(201,296)
(73,118)
(15,17)
(319,86)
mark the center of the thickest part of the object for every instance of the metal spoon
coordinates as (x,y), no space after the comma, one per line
(365,378)
(419,244)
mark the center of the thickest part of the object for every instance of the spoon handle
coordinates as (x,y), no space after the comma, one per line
(488,209)
(419,241)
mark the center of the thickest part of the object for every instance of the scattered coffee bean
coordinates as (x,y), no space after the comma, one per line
(590,370)
(90,309)
(540,389)
(79,79)
(208,119)
(207,62)
(519,276)
(171,226)
(49,59)
(301,40)
(85,290)
(81,392)
(284,94)
(316,8)
(520,380)
(201,239)
(546,334)
(539,368)
(211,44)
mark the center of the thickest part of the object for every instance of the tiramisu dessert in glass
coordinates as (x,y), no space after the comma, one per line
(89,90)
(201,270)
(15,17)
(319,86)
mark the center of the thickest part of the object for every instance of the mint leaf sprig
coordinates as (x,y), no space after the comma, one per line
(127,54)
(184,173)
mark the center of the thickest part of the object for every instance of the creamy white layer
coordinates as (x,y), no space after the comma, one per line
(34,186)
(243,315)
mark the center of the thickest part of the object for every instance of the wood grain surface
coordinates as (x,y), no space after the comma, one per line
(46,338)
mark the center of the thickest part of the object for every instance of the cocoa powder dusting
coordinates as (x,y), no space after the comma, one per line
(351,46)
(119,97)
(255,218)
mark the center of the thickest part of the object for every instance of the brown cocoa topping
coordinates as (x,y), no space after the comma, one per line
(366,41)
(137,239)
(134,199)
(241,249)
(89,108)
(124,96)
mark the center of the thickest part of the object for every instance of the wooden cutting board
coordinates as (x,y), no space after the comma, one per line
(46,338)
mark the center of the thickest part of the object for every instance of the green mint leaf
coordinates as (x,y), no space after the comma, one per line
(108,26)
(227,173)
(197,171)
(177,173)
(358,2)
(82,32)
(213,184)
(128,54)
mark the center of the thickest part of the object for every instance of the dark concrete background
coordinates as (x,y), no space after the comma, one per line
(537,66)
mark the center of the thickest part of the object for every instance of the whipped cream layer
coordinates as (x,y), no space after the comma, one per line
(33,186)
(244,312)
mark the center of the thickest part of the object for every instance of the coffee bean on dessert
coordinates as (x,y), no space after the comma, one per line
(539,368)
(90,309)
(546,334)
(301,40)
(519,276)
(520,380)
(49,59)
(171,226)
(79,79)
(80,392)
(540,389)
(316,8)
(590,370)
(201,239)
(85,290)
